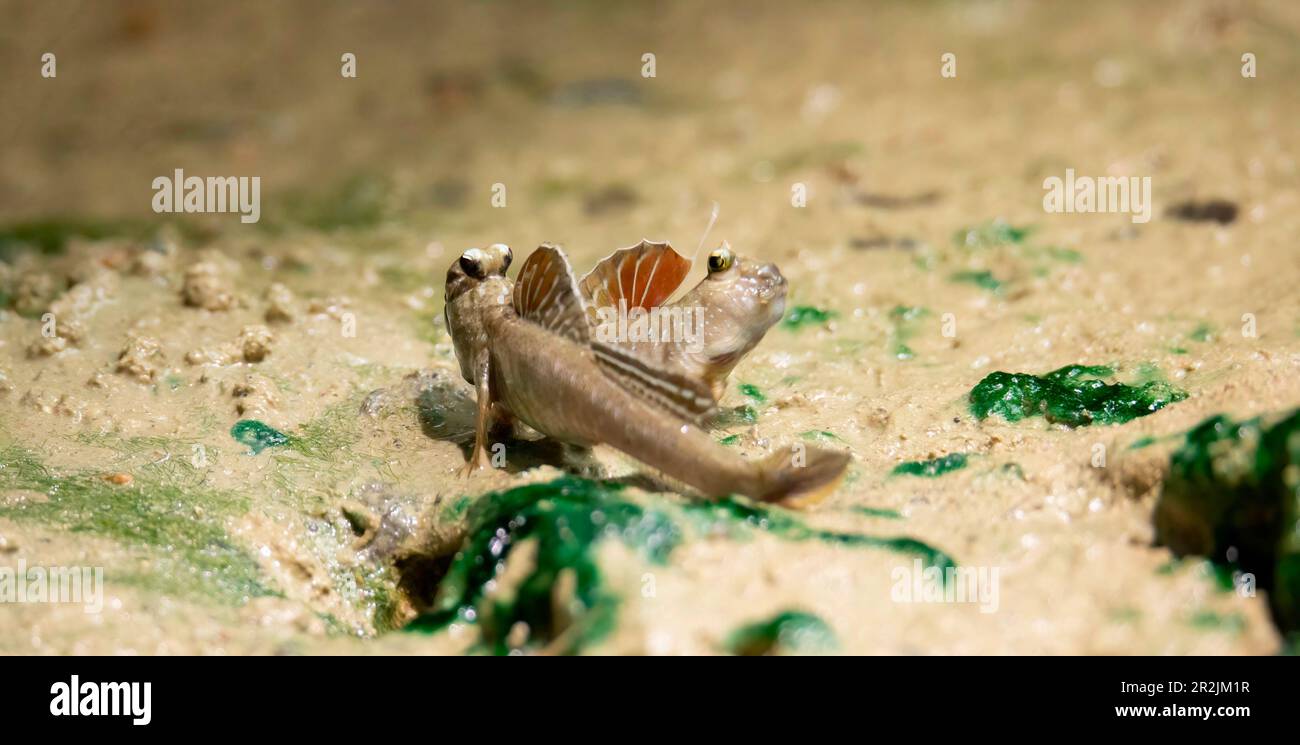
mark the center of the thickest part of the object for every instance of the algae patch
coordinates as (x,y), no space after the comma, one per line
(560,602)
(806,315)
(734,516)
(178,524)
(1233,493)
(744,414)
(321,438)
(362,201)
(51,236)
(880,512)
(1074,395)
(932,467)
(258,436)
(993,233)
(566,519)
(821,435)
(981,279)
(788,631)
(904,319)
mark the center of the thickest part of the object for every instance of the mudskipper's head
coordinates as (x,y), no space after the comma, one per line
(741,299)
(475,266)
(476,283)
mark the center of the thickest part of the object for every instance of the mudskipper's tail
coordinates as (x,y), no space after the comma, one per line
(800,477)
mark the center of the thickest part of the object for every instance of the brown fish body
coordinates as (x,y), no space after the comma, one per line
(527,349)
(557,387)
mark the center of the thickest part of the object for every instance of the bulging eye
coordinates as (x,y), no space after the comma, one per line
(721,260)
(506,258)
(472,262)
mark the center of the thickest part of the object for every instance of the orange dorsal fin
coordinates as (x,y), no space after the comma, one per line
(644,275)
(547,294)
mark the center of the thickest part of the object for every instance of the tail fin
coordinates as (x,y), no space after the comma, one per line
(804,479)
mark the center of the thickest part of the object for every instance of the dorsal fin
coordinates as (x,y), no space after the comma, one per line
(644,275)
(547,294)
(688,398)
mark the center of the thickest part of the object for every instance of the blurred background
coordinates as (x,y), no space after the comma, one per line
(548,99)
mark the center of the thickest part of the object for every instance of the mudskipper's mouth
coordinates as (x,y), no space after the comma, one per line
(771,290)
(770,283)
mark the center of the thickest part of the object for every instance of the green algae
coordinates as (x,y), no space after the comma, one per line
(744,414)
(1202,333)
(820,435)
(788,631)
(907,313)
(322,438)
(753,393)
(1223,575)
(736,516)
(361,201)
(1232,623)
(327,436)
(993,233)
(565,521)
(729,440)
(981,279)
(174,521)
(1233,495)
(878,512)
(904,318)
(933,467)
(458,508)
(1142,442)
(50,236)
(1074,395)
(806,315)
(258,436)
(1067,255)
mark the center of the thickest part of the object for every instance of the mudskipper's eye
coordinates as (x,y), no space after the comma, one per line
(506,258)
(472,262)
(721,260)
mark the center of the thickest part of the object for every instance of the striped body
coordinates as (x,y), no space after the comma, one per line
(557,387)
